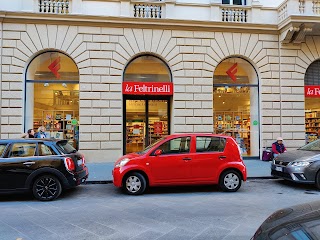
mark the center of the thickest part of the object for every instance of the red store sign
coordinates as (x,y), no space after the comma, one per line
(157,127)
(312,91)
(147,88)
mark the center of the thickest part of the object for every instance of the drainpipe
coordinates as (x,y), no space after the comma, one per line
(1,75)
(280,83)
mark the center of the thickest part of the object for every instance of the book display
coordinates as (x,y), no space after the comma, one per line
(136,133)
(157,129)
(312,121)
(235,124)
(62,124)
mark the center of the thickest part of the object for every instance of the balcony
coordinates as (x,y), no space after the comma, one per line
(206,11)
(298,7)
(148,10)
(54,6)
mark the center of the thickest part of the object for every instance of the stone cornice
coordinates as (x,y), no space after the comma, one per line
(298,19)
(106,21)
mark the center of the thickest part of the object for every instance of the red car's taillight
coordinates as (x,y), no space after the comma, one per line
(69,164)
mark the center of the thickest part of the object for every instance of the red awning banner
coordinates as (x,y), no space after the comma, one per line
(312,91)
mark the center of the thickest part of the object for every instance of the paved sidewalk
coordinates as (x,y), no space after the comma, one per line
(102,171)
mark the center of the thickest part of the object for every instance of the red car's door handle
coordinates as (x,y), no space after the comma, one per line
(222,157)
(186,159)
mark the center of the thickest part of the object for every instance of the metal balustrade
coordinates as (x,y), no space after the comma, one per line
(147,11)
(54,6)
(234,15)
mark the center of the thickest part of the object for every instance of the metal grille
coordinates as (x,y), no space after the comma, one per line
(281,163)
(313,74)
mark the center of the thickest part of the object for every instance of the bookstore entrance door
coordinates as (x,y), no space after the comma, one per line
(146,121)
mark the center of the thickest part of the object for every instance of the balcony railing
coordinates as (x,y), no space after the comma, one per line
(283,11)
(234,15)
(147,11)
(298,7)
(54,6)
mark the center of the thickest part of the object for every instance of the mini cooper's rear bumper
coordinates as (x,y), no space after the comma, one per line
(77,178)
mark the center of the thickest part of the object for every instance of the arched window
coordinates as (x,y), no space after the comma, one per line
(52,96)
(147,68)
(147,94)
(312,99)
(236,103)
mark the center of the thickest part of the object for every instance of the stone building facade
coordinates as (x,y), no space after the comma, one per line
(101,47)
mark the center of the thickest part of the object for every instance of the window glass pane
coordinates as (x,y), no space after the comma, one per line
(23,150)
(45,150)
(236,104)
(176,146)
(225,1)
(241,69)
(210,144)
(2,148)
(237,2)
(66,147)
(147,69)
(312,76)
(52,66)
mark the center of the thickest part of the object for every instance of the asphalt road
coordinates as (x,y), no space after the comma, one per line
(100,211)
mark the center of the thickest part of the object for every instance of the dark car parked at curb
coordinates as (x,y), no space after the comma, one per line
(301,165)
(43,166)
(297,222)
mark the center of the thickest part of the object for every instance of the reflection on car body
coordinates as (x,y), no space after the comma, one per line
(300,222)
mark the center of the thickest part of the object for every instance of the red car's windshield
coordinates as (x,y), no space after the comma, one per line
(149,147)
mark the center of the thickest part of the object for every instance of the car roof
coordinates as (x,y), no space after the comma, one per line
(31,140)
(197,134)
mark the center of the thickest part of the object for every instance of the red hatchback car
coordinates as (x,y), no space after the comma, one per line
(182,159)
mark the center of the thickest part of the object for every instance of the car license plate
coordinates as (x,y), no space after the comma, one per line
(79,162)
(279,169)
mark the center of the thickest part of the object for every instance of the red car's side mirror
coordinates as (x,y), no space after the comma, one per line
(158,152)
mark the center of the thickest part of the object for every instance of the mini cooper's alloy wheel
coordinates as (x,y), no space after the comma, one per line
(46,188)
(134,183)
(230,181)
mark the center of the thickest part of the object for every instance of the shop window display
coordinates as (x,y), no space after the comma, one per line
(52,96)
(312,103)
(146,114)
(236,104)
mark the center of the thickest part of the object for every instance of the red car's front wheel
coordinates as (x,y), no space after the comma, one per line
(134,183)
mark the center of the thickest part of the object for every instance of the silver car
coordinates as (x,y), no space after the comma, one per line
(301,165)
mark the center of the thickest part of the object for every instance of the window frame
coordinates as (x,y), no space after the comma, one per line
(243,3)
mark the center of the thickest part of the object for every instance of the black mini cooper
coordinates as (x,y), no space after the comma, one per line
(43,166)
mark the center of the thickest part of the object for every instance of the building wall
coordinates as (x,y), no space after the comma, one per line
(101,54)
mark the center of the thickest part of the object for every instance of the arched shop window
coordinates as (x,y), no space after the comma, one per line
(147,91)
(312,101)
(236,103)
(52,96)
